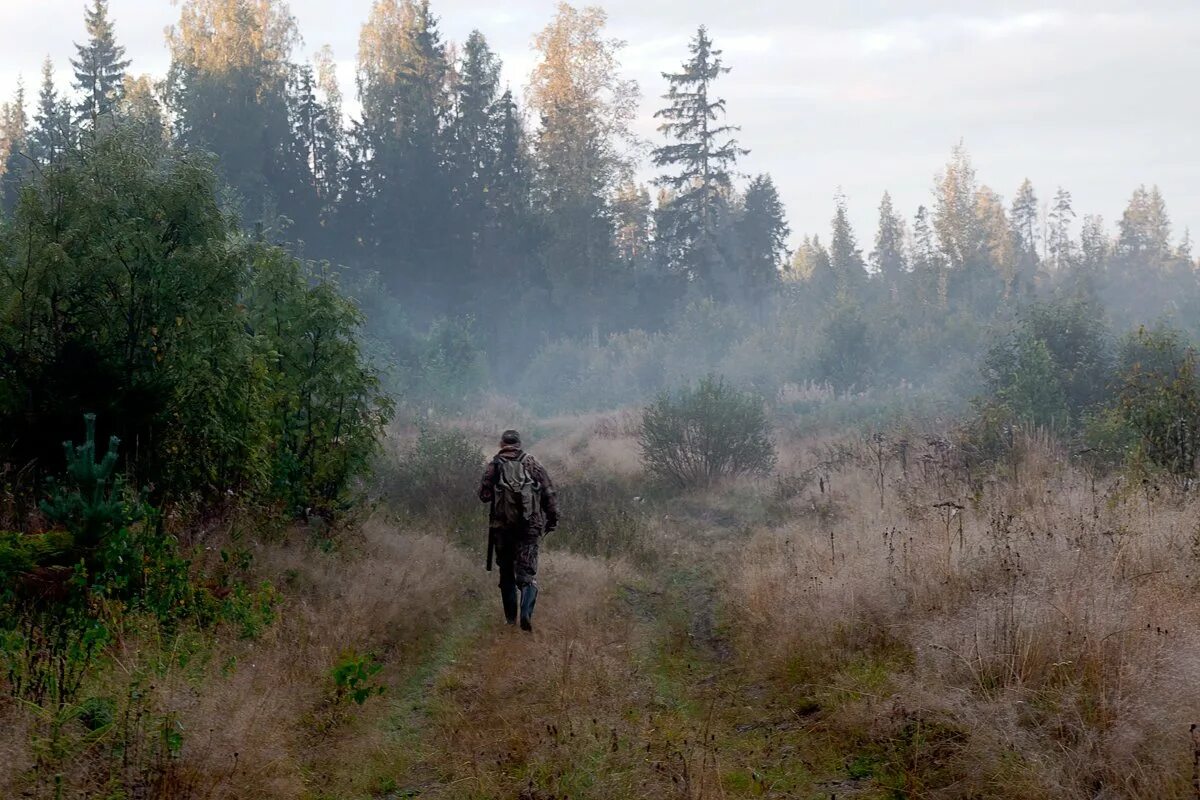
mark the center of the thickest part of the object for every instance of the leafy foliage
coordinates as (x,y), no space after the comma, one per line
(227,364)
(704,432)
(436,473)
(1160,398)
(62,587)
(354,678)
(1053,369)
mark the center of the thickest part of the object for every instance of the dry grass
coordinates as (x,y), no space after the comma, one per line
(1047,631)
(258,718)
(542,711)
(1029,632)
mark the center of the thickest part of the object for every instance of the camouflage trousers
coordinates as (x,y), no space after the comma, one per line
(517,556)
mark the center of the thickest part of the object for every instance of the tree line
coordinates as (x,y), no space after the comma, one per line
(481,227)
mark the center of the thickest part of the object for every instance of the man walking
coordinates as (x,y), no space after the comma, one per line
(523,507)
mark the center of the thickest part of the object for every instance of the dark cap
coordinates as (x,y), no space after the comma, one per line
(510,437)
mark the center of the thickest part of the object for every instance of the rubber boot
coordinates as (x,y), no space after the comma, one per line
(509,595)
(528,599)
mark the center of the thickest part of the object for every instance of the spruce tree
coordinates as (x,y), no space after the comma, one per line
(888,257)
(14,148)
(51,132)
(99,64)
(1094,245)
(316,134)
(329,143)
(1145,227)
(402,74)
(703,154)
(762,233)
(928,267)
(473,142)
(845,257)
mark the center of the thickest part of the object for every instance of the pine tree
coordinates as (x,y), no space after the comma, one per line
(1058,238)
(888,258)
(1024,216)
(51,133)
(703,151)
(99,65)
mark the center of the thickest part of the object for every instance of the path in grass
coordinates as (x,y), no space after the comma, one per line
(629,688)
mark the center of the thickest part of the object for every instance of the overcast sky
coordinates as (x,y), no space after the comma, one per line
(1094,95)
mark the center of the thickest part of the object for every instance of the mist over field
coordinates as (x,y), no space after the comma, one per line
(875,454)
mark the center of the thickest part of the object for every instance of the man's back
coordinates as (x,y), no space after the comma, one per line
(544,514)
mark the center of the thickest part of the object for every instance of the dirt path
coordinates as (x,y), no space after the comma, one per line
(629,688)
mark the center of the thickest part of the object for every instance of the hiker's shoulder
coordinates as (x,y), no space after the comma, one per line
(532,462)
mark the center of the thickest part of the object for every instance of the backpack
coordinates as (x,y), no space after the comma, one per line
(517,493)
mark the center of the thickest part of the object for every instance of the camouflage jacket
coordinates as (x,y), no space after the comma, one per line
(546,515)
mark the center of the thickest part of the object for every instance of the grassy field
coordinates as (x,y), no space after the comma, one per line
(872,621)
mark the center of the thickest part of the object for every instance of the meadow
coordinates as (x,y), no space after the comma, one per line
(874,619)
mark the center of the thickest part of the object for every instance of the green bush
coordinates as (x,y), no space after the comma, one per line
(1053,371)
(437,474)
(846,355)
(1024,383)
(704,432)
(223,363)
(442,369)
(1160,398)
(63,589)
(325,411)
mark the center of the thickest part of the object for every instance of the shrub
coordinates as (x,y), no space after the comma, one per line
(444,368)
(1052,369)
(1160,398)
(325,411)
(230,366)
(605,518)
(705,432)
(438,473)
(61,588)
(846,355)
(1024,384)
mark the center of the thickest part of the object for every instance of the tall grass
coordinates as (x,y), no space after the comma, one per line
(1049,626)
